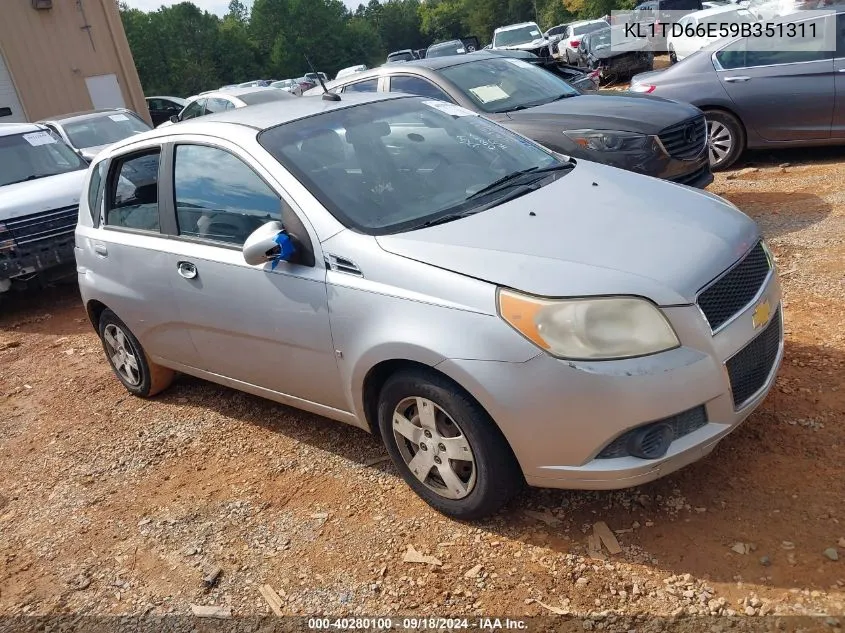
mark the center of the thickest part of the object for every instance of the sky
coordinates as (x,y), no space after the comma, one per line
(214,6)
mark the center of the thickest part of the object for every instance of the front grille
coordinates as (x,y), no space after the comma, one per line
(749,368)
(685,140)
(736,289)
(681,424)
(29,229)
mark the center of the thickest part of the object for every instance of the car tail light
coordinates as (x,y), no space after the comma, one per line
(574,43)
(646,88)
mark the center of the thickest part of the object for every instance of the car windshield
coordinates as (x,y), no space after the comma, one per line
(104,129)
(444,49)
(34,155)
(515,37)
(589,28)
(399,164)
(600,40)
(503,85)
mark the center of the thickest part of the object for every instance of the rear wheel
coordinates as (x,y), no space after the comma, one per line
(673,58)
(725,138)
(129,361)
(445,445)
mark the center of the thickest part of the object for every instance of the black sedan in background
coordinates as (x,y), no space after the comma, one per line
(162,108)
(639,133)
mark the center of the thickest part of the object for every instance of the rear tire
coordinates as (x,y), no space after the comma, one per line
(426,422)
(129,361)
(673,58)
(725,138)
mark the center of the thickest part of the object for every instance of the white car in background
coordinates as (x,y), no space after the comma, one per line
(345,72)
(289,85)
(566,48)
(219,101)
(702,23)
(525,36)
(41,179)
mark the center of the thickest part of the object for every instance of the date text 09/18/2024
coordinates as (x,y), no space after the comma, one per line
(417,624)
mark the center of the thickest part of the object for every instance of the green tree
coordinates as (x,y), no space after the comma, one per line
(443,19)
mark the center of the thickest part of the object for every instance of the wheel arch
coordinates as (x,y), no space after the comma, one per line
(95,310)
(722,108)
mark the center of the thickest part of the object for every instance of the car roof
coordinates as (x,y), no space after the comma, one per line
(264,116)
(428,63)
(81,116)
(446,43)
(511,27)
(7,129)
(172,98)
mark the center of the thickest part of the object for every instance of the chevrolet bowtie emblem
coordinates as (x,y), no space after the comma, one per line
(761,314)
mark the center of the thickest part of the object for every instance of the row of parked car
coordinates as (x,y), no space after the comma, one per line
(716,103)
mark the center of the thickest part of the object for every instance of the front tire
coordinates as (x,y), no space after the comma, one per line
(446,447)
(725,138)
(129,361)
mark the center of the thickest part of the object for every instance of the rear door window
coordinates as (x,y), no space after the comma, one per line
(132,201)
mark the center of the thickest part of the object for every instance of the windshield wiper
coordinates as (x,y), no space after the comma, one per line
(28,178)
(512,178)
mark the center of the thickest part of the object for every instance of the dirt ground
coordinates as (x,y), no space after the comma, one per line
(115,505)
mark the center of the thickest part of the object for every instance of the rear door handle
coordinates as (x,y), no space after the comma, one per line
(187,270)
(732,80)
(101,249)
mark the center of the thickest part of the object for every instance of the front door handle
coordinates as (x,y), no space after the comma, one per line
(741,78)
(187,270)
(841,70)
(101,249)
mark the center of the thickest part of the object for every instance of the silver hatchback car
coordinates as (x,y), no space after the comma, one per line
(409,267)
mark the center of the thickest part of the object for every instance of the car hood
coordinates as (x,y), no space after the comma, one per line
(627,234)
(628,112)
(44,194)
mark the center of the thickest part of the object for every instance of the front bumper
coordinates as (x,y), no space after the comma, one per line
(43,255)
(559,415)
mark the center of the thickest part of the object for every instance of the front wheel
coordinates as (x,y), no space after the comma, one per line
(445,445)
(725,138)
(673,57)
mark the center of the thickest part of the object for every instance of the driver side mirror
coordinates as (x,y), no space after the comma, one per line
(174,118)
(269,243)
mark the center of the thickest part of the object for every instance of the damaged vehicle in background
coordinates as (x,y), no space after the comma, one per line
(583,79)
(41,178)
(524,37)
(655,137)
(622,60)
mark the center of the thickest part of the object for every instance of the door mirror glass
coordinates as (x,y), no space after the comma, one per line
(174,118)
(268,243)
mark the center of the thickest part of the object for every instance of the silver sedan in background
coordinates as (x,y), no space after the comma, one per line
(89,132)
(788,95)
(409,267)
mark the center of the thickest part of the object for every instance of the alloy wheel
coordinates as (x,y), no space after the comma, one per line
(719,140)
(434,448)
(122,354)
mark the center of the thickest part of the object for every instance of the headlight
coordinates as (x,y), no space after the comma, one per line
(606,141)
(602,328)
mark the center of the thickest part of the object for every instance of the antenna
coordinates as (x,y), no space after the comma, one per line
(327,96)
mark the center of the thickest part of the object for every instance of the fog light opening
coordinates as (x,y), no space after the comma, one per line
(652,442)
